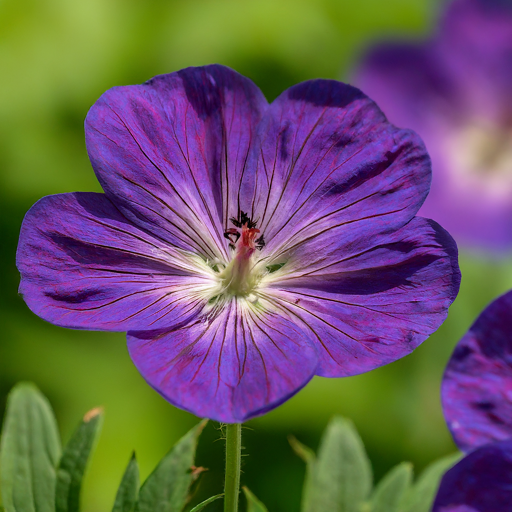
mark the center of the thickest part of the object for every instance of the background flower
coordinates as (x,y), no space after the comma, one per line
(477,403)
(480,482)
(455,91)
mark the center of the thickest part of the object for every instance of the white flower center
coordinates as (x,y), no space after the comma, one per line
(481,157)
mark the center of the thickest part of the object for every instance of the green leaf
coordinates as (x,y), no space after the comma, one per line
(74,461)
(253,503)
(340,478)
(128,491)
(166,489)
(423,492)
(30,451)
(200,507)
(392,489)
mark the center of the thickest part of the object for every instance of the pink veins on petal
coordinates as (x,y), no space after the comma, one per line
(244,246)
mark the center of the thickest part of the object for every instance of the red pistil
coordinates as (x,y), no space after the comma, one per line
(247,243)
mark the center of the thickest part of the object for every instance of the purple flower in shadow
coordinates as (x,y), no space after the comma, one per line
(477,404)
(244,247)
(455,90)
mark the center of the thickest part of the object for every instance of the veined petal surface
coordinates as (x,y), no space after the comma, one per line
(477,384)
(237,364)
(84,265)
(325,156)
(371,308)
(171,153)
(480,482)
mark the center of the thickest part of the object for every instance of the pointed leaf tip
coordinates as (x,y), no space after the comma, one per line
(421,495)
(30,450)
(74,460)
(391,491)
(340,479)
(253,503)
(167,487)
(128,491)
(89,415)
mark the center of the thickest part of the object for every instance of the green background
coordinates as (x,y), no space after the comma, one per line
(56,58)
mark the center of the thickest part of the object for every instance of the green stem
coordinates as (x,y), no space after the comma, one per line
(232,481)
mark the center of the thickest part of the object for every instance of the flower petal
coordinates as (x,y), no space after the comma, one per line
(239,364)
(480,482)
(372,308)
(477,384)
(409,84)
(84,265)
(475,44)
(170,153)
(324,156)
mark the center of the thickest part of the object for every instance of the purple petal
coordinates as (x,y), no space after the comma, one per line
(84,265)
(408,83)
(477,384)
(480,482)
(170,153)
(370,308)
(475,44)
(329,159)
(239,364)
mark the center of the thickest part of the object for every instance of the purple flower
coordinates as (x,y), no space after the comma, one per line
(477,384)
(477,403)
(481,482)
(245,247)
(455,90)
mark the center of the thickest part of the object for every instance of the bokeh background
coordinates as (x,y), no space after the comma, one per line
(56,58)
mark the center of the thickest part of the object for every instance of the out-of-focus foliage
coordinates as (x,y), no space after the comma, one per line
(57,57)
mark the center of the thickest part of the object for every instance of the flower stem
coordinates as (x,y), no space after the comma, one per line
(232,480)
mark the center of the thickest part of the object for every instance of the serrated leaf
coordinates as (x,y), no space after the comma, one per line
(166,489)
(391,491)
(74,461)
(253,503)
(421,496)
(30,451)
(201,506)
(128,491)
(340,478)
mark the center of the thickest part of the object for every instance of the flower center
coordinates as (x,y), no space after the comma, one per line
(239,277)
(482,157)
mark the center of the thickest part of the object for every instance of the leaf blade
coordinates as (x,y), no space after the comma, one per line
(166,489)
(30,451)
(423,492)
(391,491)
(128,490)
(74,460)
(340,478)
(253,503)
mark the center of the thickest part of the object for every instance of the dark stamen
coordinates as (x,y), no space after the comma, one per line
(260,242)
(232,235)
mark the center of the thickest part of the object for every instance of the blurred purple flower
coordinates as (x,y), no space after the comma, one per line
(477,404)
(455,90)
(245,247)
(477,384)
(480,482)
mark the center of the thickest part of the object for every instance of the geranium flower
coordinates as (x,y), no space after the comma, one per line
(477,404)
(455,90)
(480,482)
(245,247)
(477,384)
